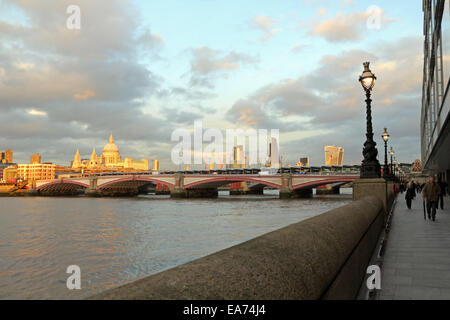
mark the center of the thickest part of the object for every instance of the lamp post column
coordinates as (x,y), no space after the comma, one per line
(370,166)
(386,166)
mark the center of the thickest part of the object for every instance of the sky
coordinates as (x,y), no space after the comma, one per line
(142,69)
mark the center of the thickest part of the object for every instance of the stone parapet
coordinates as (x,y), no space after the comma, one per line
(324,257)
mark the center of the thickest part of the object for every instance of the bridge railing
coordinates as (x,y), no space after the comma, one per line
(323,170)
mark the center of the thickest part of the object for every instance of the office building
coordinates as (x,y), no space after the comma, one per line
(303,162)
(434,122)
(6,156)
(155,166)
(334,156)
(274,154)
(35,158)
(40,171)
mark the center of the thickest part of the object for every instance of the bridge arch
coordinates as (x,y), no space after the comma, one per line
(138,180)
(322,182)
(61,183)
(220,181)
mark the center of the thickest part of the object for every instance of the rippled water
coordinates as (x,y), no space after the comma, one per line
(117,240)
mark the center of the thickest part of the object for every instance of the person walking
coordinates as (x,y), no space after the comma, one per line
(431,192)
(410,193)
(443,187)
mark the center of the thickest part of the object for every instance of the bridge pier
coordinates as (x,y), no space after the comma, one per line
(31,193)
(92,192)
(288,192)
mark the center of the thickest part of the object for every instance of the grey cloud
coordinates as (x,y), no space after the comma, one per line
(208,64)
(88,81)
(331,98)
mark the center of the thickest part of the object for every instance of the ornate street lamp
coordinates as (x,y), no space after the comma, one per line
(385,137)
(391,152)
(370,167)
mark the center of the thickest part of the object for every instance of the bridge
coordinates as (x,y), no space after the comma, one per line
(182,185)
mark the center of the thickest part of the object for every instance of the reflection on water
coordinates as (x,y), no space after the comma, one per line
(117,240)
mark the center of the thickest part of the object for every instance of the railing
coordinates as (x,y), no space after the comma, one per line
(323,170)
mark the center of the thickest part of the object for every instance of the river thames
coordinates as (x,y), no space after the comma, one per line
(118,240)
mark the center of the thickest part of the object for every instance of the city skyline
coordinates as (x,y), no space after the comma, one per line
(256,65)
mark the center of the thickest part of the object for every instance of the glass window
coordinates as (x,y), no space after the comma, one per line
(445,34)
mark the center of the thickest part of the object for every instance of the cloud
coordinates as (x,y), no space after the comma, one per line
(208,64)
(86,94)
(330,99)
(297,48)
(264,24)
(346,27)
(35,112)
(67,85)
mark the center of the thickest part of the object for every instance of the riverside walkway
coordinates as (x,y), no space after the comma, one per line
(416,263)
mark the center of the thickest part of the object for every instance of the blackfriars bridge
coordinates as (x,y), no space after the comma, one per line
(181,185)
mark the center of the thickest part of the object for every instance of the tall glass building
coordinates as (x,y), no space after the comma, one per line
(435,127)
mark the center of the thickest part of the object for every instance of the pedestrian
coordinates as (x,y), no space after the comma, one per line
(443,186)
(410,193)
(431,192)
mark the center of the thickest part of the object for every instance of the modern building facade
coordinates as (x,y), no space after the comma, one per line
(303,162)
(155,166)
(334,156)
(238,157)
(274,153)
(35,158)
(9,173)
(6,156)
(40,171)
(434,125)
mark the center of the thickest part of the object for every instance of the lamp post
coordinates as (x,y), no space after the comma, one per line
(395,164)
(391,152)
(370,167)
(385,136)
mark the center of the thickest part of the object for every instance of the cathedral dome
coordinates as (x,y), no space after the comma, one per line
(110,147)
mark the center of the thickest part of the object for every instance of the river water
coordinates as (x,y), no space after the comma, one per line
(118,240)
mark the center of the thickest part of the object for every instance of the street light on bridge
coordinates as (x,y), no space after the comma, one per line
(370,167)
(385,137)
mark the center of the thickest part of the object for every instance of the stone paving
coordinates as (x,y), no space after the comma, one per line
(416,262)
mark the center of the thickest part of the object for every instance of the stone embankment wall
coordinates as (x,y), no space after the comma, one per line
(324,257)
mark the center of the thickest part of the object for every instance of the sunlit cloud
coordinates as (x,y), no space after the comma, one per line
(35,112)
(85,95)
